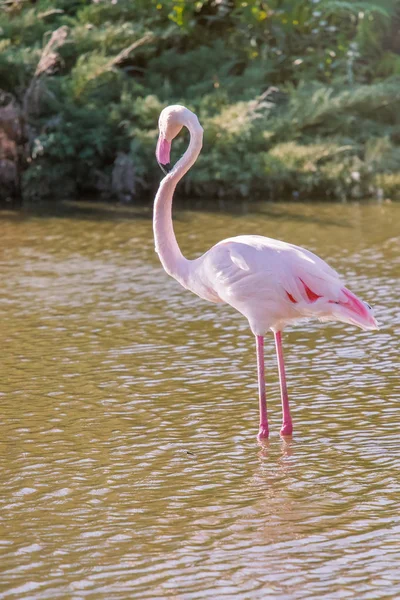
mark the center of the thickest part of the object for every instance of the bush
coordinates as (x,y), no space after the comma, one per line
(296,97)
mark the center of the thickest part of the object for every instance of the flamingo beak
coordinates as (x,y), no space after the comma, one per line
(163,151)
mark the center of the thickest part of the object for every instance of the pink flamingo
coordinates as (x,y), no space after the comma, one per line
(272,283)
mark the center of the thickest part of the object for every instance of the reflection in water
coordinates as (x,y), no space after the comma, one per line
(128,460)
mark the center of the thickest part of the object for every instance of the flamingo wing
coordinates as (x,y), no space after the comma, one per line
(274,283)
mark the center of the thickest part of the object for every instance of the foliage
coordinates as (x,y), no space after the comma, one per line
(296,96)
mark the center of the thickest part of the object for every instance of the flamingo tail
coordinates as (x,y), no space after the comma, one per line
(352,310)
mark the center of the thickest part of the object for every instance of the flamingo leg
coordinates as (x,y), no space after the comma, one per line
(287,426)
(263,431)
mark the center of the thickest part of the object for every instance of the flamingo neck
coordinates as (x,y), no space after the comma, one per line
(166,245)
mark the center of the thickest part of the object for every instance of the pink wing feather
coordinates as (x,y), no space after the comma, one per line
(273,284)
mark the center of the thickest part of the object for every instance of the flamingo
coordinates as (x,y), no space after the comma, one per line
(272,283)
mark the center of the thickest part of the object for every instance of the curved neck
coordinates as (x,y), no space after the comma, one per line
(174,263)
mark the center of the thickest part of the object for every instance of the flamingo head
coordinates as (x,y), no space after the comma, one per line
(170,123)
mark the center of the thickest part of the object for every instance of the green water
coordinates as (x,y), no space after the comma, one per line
(129,466)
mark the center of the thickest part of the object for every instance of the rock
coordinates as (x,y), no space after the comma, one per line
(9,181)
(13,148)
(123,178)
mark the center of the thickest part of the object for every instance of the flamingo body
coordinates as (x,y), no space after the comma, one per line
(272,283)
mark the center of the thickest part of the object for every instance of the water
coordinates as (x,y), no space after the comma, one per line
(129,466)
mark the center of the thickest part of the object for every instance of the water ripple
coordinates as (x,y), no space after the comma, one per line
(128,460)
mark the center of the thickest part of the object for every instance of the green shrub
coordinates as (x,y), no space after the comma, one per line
(296,97)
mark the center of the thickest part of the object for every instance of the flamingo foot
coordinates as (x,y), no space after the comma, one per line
(263,433)
(287,429)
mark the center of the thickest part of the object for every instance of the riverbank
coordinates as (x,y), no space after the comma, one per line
(300,103)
